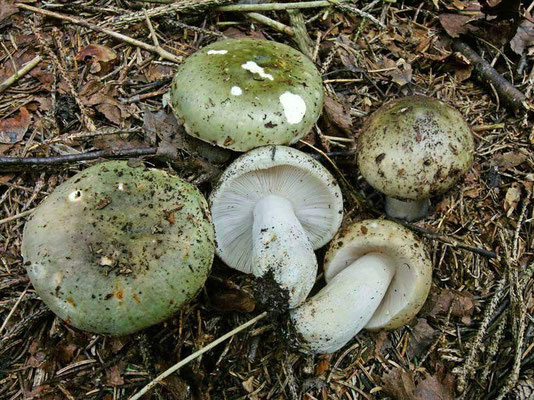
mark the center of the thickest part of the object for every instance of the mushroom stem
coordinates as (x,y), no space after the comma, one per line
(281,252)
(409,210)
(327,321)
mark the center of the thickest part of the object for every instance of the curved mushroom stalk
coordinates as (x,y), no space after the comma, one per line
(281,251)
(344,307)
(409,210)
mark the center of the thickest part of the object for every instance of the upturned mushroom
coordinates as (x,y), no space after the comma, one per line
(412,149)
(272,207)
(378,276)
(115,249)
(246,93)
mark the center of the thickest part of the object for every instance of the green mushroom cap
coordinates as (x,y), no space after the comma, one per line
(115,249)
(245,93)
(415,148)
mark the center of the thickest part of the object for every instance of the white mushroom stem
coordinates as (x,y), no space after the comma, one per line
(327,321)
(280,246)
(409,210)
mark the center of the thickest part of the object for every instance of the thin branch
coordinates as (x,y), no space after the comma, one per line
(119,36)
(13,309)
(16,216)
(92,155)
(277,26)
(20,73)
(197,354)
(276,6)
(513,98)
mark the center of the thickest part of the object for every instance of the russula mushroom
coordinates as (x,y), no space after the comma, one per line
(412,149)
(115,248)
(271,208)
(245,93)
(378,276)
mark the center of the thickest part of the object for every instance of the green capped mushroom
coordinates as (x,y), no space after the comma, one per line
(115,249)
(245,93)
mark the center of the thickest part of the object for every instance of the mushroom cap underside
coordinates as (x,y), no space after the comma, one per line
(413,269)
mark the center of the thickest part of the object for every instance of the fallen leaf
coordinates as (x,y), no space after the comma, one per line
(338,114)
(509,159)
(114,374)
(102,58)
(12,130)
(7,10)
(439,302)
(458,24)
(513,195)
(248,385)
(423,336)
(432,388)
(322,366)
(399,383)
(524,37)
(233,300)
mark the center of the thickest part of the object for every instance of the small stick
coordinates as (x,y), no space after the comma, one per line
(13,309)
(16,216)
(92,155)
(277,26)
(119,36)
(275,6)
(20,73)
(513,98)
(197,354)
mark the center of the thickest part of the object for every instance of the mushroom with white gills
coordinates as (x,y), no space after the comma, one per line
(116,248)
(412,149)
(378,277)
(271,208)
(245,93)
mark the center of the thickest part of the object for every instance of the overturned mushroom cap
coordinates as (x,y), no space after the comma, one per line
(414,148)
(273,170)
(246,93)
(115,249)
(378,277)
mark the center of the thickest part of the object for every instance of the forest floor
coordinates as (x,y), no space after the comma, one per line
(92,89)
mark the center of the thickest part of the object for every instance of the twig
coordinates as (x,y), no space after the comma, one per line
(92,155)
(13,308)
(277,26)
(119,36)
(447,240)
(513,98)
(276,6)
(363,14)
(20,73)
(16,216)
(197,354)
(302,38)
(183,6)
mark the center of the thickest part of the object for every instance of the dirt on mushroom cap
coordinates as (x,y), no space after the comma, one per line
(116,249)
(414,148)
(245,93)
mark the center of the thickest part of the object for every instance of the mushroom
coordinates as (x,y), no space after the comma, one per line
(412,149)
(115,249)
(271,208)
(378,276)
(245,93)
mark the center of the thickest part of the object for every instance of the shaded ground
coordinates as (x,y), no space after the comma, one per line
(474,335)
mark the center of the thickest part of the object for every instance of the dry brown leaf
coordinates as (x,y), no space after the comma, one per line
(423,335)
(7,10)
(248,385)
(12,130)
(432,388)
(338,114)
(399,383)
(509,159)
(102,58)
(513,195)
(233,300)
(114,374)
(442,300)
(457,24)
(524,37)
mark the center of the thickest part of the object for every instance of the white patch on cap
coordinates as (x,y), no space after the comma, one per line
(236,91)
(217,51)
(120,186)
(294,107)
(75,196)
(256,69)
